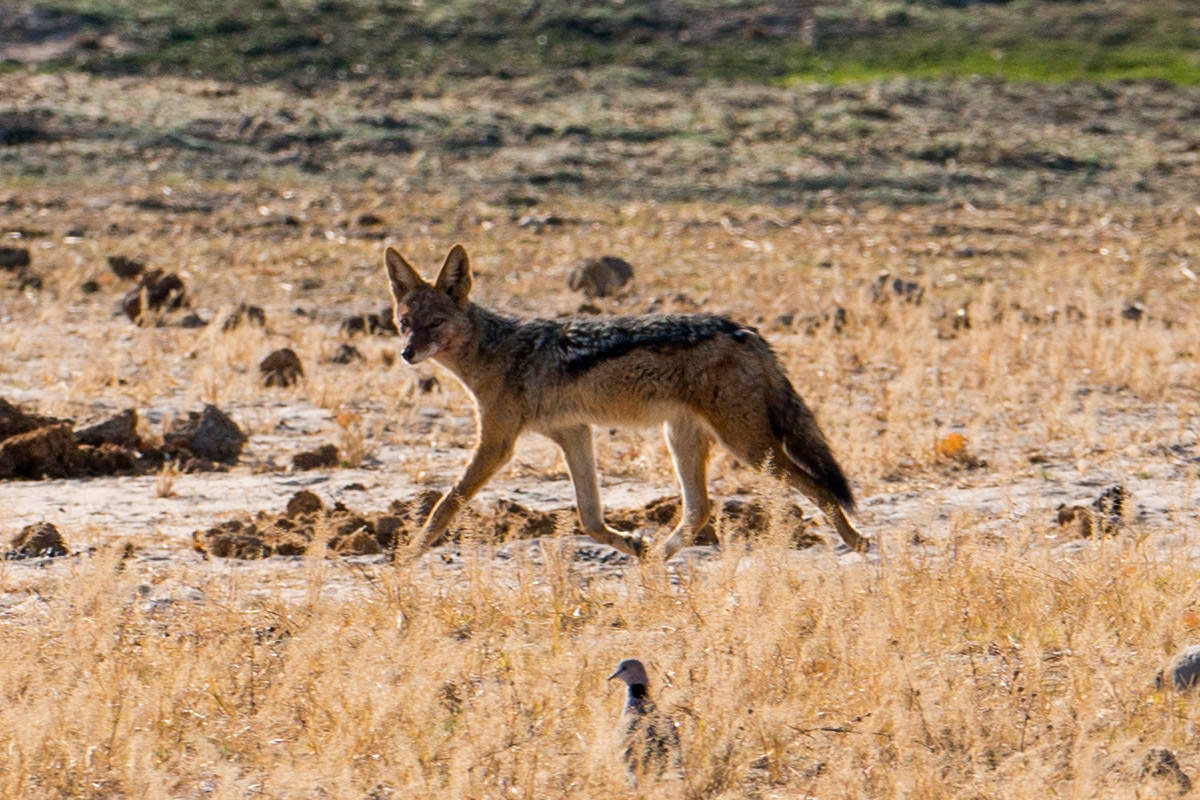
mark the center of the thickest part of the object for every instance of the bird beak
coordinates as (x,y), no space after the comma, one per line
(615,674)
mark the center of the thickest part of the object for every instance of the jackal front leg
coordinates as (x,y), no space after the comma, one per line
(491,454)
(576,444)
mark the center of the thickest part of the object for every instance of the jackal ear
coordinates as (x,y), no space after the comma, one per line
(455,277)
(401,275)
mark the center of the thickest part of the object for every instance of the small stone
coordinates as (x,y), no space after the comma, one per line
(124,267)
(253,315)
(323,456)
(345,354)
(1161,763)
(119,430)
(210,434)
(600,277)
(1183,671)
(193,320)
(281,368)
(303,502)
(41,540)
(14,258)
(162,291)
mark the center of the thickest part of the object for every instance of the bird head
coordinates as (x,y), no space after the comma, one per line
(632,672)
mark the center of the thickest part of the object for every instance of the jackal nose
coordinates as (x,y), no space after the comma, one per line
(408,353)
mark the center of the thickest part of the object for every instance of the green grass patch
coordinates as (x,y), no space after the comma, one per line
(314,41)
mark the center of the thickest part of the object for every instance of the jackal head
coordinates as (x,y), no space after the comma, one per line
(432,318)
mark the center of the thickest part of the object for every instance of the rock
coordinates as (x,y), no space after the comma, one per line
(1183,671)
(600,277)
(89,287)
(359,543)
(1105,515)
(161,290)
(303,502)
(539,221)
(13,420)
(253,315)
(379,324)
(209,434)
(908,291)
(125,268)
(323,456)
(119,430)
(281,368)
(41,540)
(1133,311)
(193,320)
(14,258)
(48,452)
(1161,764)
(345,354)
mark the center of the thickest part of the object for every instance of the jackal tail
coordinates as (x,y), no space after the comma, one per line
(805,445)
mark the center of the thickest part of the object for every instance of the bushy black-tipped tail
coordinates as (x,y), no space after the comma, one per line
(804,443)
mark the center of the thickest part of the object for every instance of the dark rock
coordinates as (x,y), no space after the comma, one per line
(14,258)
(539,221)
(281,368)
(1183,671)
(13,420)
(324,456)
(41,540)
(193,320)
(106,459)
(358,543)
(125,268)
(209,434)
(380,324)
(1133,312)
(120,430)
(161,290)
(90,287)
(244,313)
(1161,763)
(388,529)
(600,277)
(48,452)
(886,286)
(345,354)
(303,502)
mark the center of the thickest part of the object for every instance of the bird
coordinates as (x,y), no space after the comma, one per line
(649,737)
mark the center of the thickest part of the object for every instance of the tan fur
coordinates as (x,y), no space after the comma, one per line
(703,378)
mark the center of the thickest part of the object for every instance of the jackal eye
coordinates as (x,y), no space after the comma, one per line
(405,324)
(437,323)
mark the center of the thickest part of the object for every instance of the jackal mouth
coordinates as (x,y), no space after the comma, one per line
(412,355)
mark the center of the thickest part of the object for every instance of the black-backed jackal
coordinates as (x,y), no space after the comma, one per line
(704,378)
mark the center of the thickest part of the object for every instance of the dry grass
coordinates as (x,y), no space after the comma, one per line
(994,659)
(969,671)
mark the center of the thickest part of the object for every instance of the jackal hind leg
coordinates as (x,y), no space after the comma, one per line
(580,455)
(824,499)
(751,442)
(689,444)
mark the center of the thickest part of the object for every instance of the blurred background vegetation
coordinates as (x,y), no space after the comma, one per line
(307,42)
